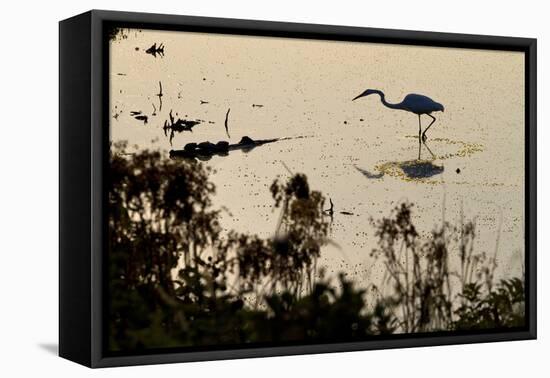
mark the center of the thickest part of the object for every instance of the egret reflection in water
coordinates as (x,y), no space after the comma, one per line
(416,169)
(409,170)
(419,169)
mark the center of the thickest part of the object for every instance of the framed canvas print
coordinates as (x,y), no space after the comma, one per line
(234,188)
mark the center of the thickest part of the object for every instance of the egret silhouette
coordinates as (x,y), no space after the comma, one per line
(414,103)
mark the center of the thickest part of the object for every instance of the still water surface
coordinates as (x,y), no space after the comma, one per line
(360,154)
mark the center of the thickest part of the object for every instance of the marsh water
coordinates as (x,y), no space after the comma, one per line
(361,155)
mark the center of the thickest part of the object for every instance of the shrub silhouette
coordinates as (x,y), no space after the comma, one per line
(420,280)
(177,280)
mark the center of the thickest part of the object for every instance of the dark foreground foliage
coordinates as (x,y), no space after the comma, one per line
(425,295)
(176,280)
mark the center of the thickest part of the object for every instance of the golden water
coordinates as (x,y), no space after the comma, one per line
(362,155)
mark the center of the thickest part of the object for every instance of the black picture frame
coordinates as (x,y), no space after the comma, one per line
(83,161)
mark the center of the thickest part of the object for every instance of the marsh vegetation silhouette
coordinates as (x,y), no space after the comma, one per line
(177,278)
(178,125)
(156,50)
(414,103)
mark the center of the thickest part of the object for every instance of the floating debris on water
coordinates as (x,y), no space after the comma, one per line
(257,106)
(178,126)
(330,211)
(143,118)
(117,113)
(458,170)
(205,150)
(201,151)
(154,50)
(139,116)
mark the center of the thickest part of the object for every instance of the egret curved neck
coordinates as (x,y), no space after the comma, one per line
(387,104)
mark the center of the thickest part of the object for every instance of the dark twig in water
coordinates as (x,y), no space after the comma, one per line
(346,213)
(139,116)
(159,95)
(204,102)
(226,123)
(286,167)
(142,117)
(330,211)
(257,106)
(154,110)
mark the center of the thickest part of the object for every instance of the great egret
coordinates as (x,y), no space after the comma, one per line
(414,103)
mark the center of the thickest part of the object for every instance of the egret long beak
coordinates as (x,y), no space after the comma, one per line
(361,95)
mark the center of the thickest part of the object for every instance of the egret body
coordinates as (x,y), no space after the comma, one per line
(414,103)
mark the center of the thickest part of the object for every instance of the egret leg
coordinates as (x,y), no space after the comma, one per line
(424,137)
(430,151)
(419,136)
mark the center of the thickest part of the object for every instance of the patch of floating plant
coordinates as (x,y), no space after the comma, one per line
(421,170)
(206,150)
(465,149)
